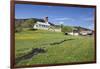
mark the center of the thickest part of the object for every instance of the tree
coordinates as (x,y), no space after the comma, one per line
(62,27)
(29,23)
(66,28)
(18,27)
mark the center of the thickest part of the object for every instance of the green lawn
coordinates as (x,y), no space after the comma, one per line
(74,49)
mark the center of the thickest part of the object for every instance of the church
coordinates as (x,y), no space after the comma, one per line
(46,25)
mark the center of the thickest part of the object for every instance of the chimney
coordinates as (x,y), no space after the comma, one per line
(46,19)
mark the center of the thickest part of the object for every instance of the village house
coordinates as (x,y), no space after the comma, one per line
(81,31)
(46,25)
(85,31)
(74,32)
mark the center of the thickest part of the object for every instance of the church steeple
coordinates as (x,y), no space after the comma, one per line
(46,19)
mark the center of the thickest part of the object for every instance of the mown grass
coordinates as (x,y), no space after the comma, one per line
(78,49)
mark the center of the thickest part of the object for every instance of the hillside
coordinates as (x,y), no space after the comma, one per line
(19,22)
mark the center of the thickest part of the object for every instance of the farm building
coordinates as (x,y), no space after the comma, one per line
(85,31)
(45,25)
(80,31)
(41,25)
(74,32)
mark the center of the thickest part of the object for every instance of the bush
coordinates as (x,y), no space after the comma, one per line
(29,23)
(66,28)
(18,27)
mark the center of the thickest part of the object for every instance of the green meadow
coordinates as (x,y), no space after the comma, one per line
(59,48)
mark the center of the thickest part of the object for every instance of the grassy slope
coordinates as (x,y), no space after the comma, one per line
(80,48)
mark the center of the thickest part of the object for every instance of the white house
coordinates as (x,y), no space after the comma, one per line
(74,32)
(82,31)
(86,32)
(41,25)
(45,25)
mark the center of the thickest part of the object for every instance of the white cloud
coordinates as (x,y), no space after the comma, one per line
(61,22)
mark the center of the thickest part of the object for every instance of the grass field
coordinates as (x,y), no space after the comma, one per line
(59,48)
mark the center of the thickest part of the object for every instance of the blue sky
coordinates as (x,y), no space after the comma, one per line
(71,16)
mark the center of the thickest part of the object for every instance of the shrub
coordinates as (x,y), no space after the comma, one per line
(66,28)
(18,27)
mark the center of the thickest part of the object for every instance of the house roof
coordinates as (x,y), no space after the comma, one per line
(82,28)
(43,23)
